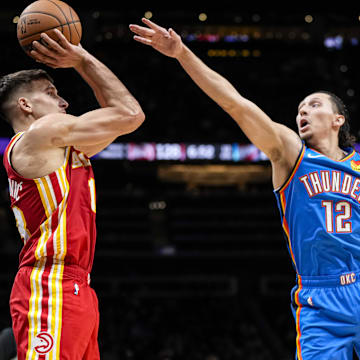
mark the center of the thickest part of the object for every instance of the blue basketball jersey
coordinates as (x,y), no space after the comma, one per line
(320,212)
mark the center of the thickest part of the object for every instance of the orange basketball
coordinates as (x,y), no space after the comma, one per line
(45,16)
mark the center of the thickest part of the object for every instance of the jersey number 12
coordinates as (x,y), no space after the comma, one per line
(337,216)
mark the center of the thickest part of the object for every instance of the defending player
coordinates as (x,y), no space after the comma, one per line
(52,190)
(316,177)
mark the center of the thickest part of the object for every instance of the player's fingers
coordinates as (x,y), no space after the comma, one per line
(143,40)
(41,57)
(152,25)
(50,65)
(62,39)
(51,44)
(142,31)
(172,32)
(42,47)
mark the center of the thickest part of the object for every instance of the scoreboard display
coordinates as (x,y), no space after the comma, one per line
(177,152)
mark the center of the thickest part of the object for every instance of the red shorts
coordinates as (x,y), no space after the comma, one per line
(54,314)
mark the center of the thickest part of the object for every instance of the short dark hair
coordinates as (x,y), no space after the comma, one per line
(11,82)
(346,138)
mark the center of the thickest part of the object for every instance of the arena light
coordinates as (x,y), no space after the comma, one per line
(334,42)
(202,17)
(354,41)
(148,15)
(309,19)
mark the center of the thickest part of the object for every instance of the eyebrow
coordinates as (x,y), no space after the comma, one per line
(50,86)
(302,103)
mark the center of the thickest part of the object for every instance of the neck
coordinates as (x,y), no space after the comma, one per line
(18,129)
(332,151)
(21,125)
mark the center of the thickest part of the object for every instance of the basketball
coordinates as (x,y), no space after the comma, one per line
(46,16)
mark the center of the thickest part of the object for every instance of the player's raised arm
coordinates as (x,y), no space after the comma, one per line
(120,113)
(279,142)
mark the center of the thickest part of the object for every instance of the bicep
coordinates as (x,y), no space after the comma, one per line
(91,150)
(274,139)
(99,127)
(92,128)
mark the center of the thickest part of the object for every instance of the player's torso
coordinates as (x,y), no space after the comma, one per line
(320,209)
(55,214)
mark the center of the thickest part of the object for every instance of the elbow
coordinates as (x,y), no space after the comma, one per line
(133,121)
(124,121)
(137,119)
(235,105)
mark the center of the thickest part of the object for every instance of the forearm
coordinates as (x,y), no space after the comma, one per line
(108,89)
(256,125)
(213,84)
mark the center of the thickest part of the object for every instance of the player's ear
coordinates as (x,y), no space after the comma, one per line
(339,120)
(24,105)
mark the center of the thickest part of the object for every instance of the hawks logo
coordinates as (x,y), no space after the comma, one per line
(44,342)
(355,165)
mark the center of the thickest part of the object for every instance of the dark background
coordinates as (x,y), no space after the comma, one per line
(184,270)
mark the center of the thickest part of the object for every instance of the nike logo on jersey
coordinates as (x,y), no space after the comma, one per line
(314,156)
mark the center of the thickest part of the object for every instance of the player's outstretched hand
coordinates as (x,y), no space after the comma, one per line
(168,42)
(58,53)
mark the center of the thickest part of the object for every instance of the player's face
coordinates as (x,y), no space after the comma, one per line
(315,117)
(45,99)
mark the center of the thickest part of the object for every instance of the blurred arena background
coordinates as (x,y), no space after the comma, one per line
(191,262)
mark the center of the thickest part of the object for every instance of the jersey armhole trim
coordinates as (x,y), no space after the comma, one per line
(14,141)
(296,166)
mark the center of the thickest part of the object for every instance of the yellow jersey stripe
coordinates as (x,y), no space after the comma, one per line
(56,276)
(45,226)
(14,139)
(35,307)
(55,300)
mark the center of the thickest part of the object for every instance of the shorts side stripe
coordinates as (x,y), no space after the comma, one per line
(298,311)
(35,308)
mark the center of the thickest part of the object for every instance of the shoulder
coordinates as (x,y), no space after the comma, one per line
(45,131)
(291,145)
(50,121)
(33,158)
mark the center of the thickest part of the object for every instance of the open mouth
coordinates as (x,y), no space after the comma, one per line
(303,124)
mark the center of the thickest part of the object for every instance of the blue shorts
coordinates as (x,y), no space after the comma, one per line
(327,316)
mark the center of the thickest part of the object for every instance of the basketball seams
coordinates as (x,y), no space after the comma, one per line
(67,20)
(74,24)
(54,27)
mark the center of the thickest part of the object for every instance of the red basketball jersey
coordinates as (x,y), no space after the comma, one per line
(55,214)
